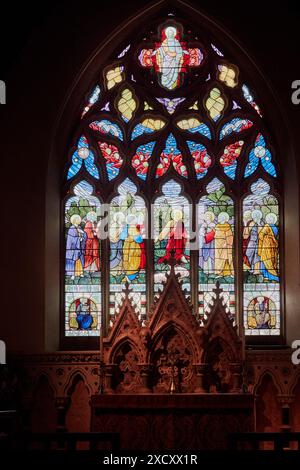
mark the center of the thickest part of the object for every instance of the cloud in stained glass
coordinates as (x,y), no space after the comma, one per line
(217,50)
(83,155)
(229,158)
(107,127)
(93,98)
(171,153)
(113,159)
(124,51)
(83,189)
(202,160)
(140,159)
(260,154)
(248,97)
(235,126)
(194,126)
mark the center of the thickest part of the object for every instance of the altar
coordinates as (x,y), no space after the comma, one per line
(176,421)
(171,381)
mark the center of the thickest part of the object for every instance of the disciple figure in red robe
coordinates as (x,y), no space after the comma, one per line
(92,254)
(176,236)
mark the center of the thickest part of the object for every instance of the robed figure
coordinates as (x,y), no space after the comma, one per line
(252,257)
(75,248)
(83,314)
(92,253)
(223,246)
(268,248)
(176,236)
(169,58)
(207,243)
(134,254)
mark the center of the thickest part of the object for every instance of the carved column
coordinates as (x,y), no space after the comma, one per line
(236,374)
(145,372)
(108,378)
(200,373)
(61,404)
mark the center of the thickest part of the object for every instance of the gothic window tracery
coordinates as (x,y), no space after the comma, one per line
(174,150)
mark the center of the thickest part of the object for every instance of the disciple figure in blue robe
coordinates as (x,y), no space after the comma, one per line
(207,243)
(252,245)
(75,248)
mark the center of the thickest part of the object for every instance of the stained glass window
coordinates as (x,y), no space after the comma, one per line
(216,243)
(171,224)
(127,259)
(261,261)
(173,142)
(82,263)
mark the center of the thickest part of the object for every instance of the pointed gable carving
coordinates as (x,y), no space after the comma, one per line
(219,326)
(169,351)
(172,308)
(126,327)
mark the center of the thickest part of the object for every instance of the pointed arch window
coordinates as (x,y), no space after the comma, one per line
(172,141)
(172,227)
(216,247)
(127,247)
(83,300)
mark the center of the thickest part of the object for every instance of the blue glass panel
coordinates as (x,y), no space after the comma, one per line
(83,153)
(202,160)
(236,125)
(140,160)
(260,153)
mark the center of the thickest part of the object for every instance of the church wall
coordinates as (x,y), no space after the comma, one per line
(63,383)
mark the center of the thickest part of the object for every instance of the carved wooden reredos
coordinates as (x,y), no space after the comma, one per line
(169,351)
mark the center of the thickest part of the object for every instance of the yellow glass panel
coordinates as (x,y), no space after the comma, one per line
(127,104)
(228,75)
(114,76)
(215,104)
(190,123)
(154,124)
